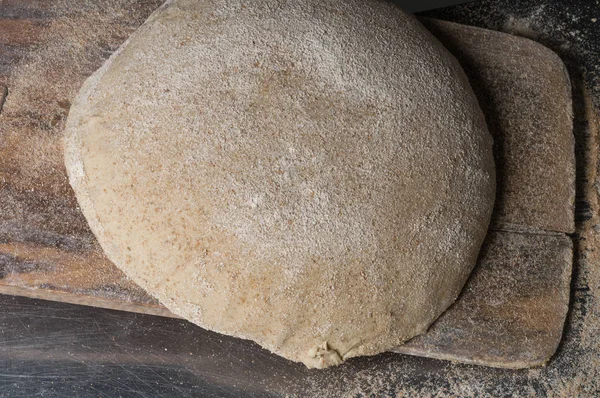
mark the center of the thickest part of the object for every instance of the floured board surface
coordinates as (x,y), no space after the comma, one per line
(47,50)
(525,94)
(47,250)
(505,316)
(512,310)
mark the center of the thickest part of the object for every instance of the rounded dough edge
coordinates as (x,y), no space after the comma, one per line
(322,355)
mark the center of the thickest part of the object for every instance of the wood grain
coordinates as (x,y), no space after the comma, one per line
(20,32)
(510,315)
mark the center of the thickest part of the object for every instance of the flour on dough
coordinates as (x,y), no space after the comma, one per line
(315,176)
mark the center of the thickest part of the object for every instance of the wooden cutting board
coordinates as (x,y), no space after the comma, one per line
(512,310)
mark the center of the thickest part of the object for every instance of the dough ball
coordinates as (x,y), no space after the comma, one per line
(315,176)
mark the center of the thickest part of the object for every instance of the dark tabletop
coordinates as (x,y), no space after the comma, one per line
(52,349)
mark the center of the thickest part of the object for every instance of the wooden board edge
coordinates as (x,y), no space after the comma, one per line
(515,365)
(69,298)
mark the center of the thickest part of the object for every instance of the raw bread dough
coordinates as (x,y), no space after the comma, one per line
(313,176)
